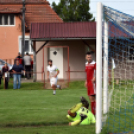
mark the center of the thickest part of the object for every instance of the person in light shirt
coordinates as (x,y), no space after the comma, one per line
(52,74)
(27,63)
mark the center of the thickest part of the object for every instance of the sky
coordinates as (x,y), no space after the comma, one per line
(126,6)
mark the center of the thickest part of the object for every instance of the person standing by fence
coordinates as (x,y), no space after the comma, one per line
(27,63)
(5,72)
(19,57)
(0,76)
(17,69)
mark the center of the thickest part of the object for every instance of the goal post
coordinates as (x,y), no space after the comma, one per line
(99,69)
(101,89)
(105,70)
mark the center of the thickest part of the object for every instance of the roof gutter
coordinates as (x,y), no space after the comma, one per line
(58,39)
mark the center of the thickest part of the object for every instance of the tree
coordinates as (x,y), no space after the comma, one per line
(73,10)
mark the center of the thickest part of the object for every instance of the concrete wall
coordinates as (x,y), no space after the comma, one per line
(9,40)
(77,50)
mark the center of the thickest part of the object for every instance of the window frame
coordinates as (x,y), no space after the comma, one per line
(128,51)
(3,21)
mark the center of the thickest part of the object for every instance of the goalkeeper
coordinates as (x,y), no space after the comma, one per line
(79,114)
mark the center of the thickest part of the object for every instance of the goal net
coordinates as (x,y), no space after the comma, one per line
(115,68)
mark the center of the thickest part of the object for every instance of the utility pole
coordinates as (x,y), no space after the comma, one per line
(23,29)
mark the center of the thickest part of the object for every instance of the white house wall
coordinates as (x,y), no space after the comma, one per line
(77,51)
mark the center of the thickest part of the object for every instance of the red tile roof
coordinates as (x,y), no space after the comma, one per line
(63,30)
(75,30)
(10,9)
(36,10)
(20,1)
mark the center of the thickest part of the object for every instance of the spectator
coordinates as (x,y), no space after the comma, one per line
(32,64)
(17,69)
(5,70)
(0,76)
(19,57)
(27,63)
(31,68)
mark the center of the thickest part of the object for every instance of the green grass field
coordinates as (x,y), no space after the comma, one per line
(33,110)
(120,118)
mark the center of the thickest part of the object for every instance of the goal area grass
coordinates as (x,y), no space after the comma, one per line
(34,110)
(120,118)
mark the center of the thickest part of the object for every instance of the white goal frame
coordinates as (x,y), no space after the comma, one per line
(101,104)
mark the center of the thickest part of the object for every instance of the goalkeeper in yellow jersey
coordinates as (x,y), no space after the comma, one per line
(80,115)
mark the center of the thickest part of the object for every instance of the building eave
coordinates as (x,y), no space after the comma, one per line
(61,39)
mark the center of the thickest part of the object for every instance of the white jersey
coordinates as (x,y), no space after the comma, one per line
(27,60)
(52,70)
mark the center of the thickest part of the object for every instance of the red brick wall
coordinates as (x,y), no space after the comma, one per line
(9,40)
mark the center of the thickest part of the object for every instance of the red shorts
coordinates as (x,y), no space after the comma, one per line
(91,88)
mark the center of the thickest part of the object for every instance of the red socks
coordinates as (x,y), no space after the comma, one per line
(93,107)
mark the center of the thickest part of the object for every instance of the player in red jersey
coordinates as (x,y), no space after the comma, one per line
(90,68)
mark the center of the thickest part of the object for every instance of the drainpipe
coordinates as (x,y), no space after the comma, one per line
(23,28)
(34,62)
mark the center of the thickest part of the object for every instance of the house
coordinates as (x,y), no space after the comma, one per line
(67,43)
(11,23)
(64,43)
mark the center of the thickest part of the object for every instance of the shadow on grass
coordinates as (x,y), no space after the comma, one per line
(35,124)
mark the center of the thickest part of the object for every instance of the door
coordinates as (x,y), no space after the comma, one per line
(56,55)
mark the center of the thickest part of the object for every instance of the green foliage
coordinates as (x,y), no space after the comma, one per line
(73,10)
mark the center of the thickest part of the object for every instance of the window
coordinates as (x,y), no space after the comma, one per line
(27,47)
(0,19)
(131,53)
(7,19)
(12,19)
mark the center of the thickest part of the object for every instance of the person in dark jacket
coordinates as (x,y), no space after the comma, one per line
(5,71)
(19,57)
(17,69)
(0,76)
